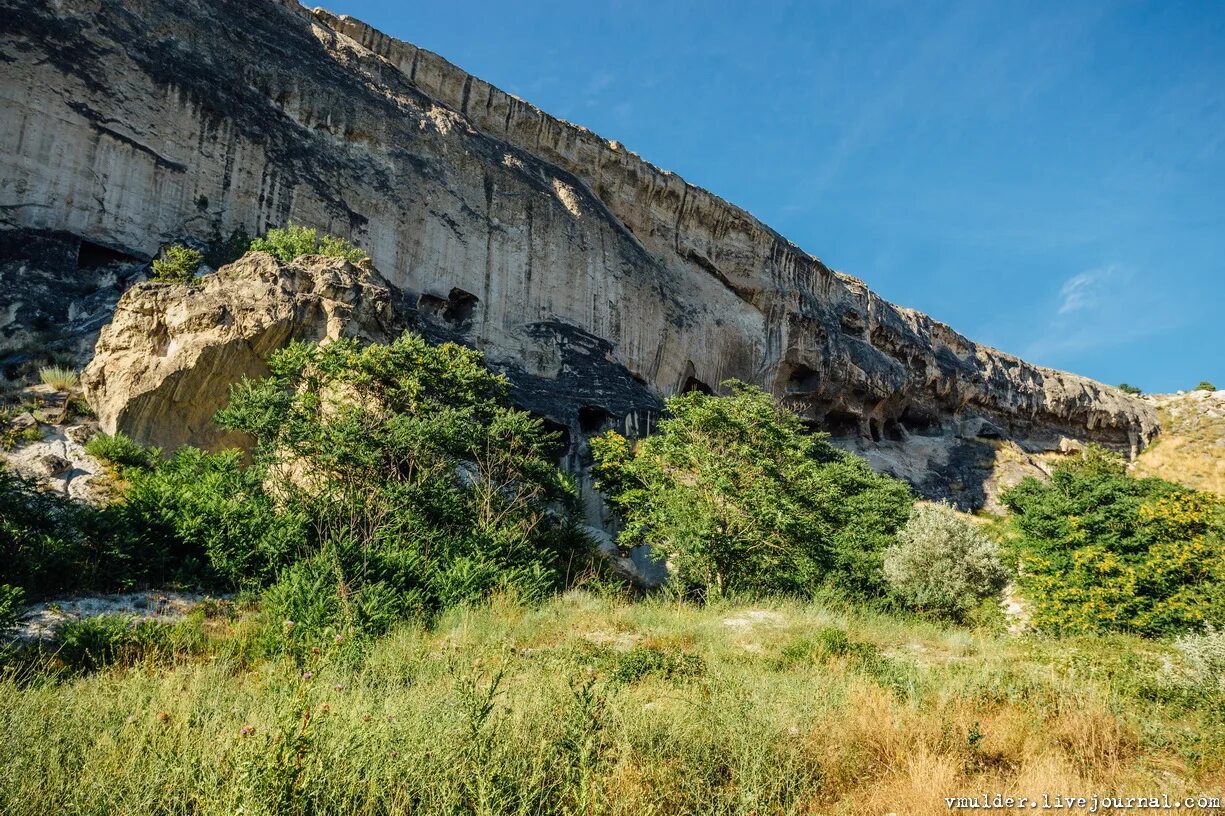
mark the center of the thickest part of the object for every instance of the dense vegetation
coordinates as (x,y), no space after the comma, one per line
(591,705)
(402,639)
(737,496)
(295,241)
(1102,551)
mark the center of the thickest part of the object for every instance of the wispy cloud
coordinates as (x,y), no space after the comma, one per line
(1100,308)
(1086,290)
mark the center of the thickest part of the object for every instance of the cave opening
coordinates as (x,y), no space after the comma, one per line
(841,424)
(592,418)
(92,256)
(694,384)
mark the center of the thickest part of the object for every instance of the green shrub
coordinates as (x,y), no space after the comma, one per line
(121,450)
(642,661)
(411,456)
(11,599)
(943,563)
(1204,385)
(90,644)
(209,518)
(326,599)
(1129,389)
(1100,551)
(296,241)
(1204,654)
(178,264)
(60,378)
(737,496)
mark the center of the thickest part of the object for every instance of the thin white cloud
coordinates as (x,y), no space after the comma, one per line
(1086,290)
(1106,306)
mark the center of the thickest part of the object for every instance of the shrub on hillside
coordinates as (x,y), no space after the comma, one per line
(11,598)
(1102,551)
(1204,653)
(1129,389)
(178,264)
(210,514)
(1204,385)
(408,460)
(296,241)
(121,450)
(736,495)
(943,563)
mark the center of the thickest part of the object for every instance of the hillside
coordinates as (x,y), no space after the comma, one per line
(1191,447)
(590,705)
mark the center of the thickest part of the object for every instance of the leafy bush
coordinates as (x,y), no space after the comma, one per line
(407,459)
(943,563)
(94,643)
(91,643)
(178,264)
(736,495)
(1129,389)
(1204,654)
(1101,551)
(1204,385)
(207,517)
(326,599)
(11,598)
(121,450)
(60,378)
(296,241)
(40,536)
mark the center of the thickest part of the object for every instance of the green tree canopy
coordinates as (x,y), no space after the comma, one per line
(735,494)
(1101,551)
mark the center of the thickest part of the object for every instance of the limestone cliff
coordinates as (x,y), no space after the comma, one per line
(597,281)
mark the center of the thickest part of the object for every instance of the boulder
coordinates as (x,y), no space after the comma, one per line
(165,364)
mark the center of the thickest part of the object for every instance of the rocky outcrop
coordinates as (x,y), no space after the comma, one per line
(598,282)
(165,364)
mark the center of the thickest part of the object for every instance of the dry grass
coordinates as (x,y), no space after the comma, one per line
(1191,448)
(770,716)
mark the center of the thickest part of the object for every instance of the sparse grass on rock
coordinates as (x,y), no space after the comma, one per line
(60,378)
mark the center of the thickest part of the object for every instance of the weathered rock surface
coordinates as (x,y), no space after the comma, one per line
(597,281)
(165,364)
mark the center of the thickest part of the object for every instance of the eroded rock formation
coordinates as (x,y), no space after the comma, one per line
(597,281)
(165,364)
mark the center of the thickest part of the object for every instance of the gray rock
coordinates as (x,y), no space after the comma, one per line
(596,281)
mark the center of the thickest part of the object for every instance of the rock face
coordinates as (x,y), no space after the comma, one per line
(165,364)
(598,282)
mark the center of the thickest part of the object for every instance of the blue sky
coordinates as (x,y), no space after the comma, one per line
(1046,177)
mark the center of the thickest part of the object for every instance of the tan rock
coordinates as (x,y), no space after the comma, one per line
(166,363)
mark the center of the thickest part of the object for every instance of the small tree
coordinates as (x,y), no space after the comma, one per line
(296,241)
(1204,385)
(178,264)
(1129,389)
(942,563)
(736,495)
(409,464)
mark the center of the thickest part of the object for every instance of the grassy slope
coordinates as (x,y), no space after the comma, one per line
(766,710)
(1191,448)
